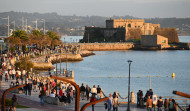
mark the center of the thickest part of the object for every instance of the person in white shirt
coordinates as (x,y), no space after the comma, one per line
(13,73)
(19,73)
(52,94)
(94,90)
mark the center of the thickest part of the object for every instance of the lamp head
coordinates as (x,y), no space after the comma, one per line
(129,61)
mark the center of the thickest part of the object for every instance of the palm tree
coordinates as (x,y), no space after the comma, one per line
(55,39)
(18,37)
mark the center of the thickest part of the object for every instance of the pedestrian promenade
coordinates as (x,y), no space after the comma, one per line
(33,102)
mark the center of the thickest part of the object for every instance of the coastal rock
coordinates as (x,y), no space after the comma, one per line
(85,53)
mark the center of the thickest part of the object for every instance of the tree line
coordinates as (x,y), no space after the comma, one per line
(21,39)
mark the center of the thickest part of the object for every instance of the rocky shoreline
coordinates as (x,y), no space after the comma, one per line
(40,63)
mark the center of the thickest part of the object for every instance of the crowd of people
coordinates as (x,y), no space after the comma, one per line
(160,104)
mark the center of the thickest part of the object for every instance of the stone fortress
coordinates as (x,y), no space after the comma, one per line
(121,30)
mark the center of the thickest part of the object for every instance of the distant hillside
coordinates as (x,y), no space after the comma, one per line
(74,25)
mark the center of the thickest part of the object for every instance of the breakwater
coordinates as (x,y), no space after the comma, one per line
(43,63)
(104,46)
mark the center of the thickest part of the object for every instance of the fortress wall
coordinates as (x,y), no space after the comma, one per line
(106,46)
(170,33)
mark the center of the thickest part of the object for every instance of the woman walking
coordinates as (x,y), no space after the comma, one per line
(115,103)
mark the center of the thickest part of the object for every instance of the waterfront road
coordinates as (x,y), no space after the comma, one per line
(33,102)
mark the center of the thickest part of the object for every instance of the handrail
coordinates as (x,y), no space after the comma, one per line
(179,107)
(5,93)
(92,103)
(181,94)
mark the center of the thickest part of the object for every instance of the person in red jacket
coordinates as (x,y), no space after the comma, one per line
(92,99)
(60,92)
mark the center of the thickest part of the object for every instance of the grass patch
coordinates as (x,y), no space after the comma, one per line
(9,103)
(21,106)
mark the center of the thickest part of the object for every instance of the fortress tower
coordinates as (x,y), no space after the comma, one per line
(134,27)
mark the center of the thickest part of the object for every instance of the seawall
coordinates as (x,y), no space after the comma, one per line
(104,46)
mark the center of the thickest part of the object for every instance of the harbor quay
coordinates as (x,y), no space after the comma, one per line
(32,100)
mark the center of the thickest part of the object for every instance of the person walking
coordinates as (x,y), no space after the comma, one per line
(160,104)
(82,91)
(14,101)
(13,74)
(87,92)
(149,104)
(94,90)
(25,87)
(29,87)
(98,92)
(174,105)
(110,102)
(92,99)
(166,103)
(35,85)
(115,103)
(170,106)
(6,76)
(1,74)
(42,96)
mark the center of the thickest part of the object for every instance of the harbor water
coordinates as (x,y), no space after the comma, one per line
(110,70)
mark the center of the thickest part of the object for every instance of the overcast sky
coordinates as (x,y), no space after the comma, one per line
(137,8)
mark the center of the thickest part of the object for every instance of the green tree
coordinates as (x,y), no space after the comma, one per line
(21,64)
(55,39)
(18,37)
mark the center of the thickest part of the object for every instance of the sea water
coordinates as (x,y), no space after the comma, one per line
(110,70)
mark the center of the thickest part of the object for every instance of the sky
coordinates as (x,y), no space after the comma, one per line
(107,8)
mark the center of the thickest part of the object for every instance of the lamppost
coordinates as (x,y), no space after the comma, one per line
(36,21)
(60,60)
(44,25)
(7,25)
(66,59)
(128,108)
(56,74)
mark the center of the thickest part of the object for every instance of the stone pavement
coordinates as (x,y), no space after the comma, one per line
(34,102)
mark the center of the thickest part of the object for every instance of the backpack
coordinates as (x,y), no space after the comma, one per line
(160,103)
(170,105)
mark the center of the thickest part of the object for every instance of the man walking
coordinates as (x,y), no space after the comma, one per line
(29,88)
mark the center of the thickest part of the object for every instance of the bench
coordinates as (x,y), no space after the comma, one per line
(53,100)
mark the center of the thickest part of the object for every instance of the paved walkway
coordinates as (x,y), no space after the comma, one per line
(34,102)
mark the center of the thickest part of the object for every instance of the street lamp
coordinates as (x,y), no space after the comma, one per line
(36,21)
(56,74)
(66,59)
(7,25)
(60,60)
(128,108)
(44,25)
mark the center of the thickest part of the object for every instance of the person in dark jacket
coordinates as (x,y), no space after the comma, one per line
(87,91)
(82,91)
(29,87)
(26,88)
(160,104)
(98,92)
(42,96)
(92,99)
(14,101)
